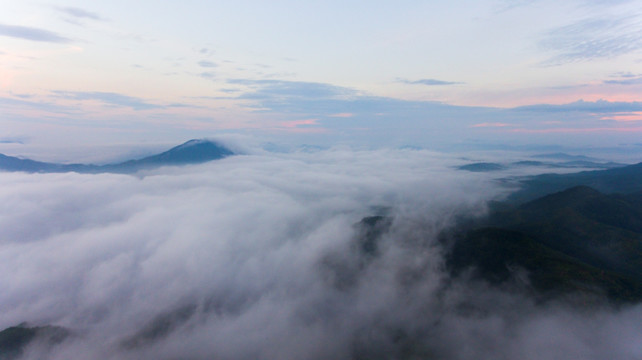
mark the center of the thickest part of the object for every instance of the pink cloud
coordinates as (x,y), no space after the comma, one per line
(300,126)
(495,124)
(575,130)
(633,116)
(343,115)
(297,123)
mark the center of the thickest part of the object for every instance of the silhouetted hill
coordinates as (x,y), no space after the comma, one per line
(191,152)
(482,167)
(529,163)
(14,340)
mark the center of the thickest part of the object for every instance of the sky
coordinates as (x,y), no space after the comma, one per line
(363,73)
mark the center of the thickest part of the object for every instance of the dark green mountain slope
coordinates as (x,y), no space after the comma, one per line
(602,230)
(500,255)
(577,239)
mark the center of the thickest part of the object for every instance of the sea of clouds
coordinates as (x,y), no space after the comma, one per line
(258,257)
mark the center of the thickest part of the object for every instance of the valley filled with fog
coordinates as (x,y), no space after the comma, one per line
(332,254)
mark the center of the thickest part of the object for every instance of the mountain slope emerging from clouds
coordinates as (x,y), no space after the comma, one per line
(576,240)
(190,152)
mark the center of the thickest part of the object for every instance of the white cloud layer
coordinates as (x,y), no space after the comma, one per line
(257,256)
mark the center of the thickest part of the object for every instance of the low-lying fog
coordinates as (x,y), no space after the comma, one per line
(254,257)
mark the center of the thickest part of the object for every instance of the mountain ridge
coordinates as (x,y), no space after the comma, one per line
(578,239)
(194,151)
(624,179)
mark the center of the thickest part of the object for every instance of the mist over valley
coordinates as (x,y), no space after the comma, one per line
(339,253)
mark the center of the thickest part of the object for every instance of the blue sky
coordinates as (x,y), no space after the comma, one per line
(374,73)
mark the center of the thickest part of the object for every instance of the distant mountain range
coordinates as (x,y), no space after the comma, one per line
(574,236)
(190,152)
(625,180)
(573,163)
(577,243)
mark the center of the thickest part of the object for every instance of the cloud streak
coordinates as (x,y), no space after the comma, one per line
(80,13)
(590,39)
(630,80)
(270,89)
(428,82)
(599,106)
(110,98)
(207,64)
(31,33)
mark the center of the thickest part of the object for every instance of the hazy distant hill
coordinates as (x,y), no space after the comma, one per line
(10,163)
(570,164)
(191,152)
(565,157)
(626,179)
(482,167)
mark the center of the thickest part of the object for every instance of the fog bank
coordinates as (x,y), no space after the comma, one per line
(266,256)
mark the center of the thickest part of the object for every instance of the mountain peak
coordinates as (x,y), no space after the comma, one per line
(191,152)
(193,142)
